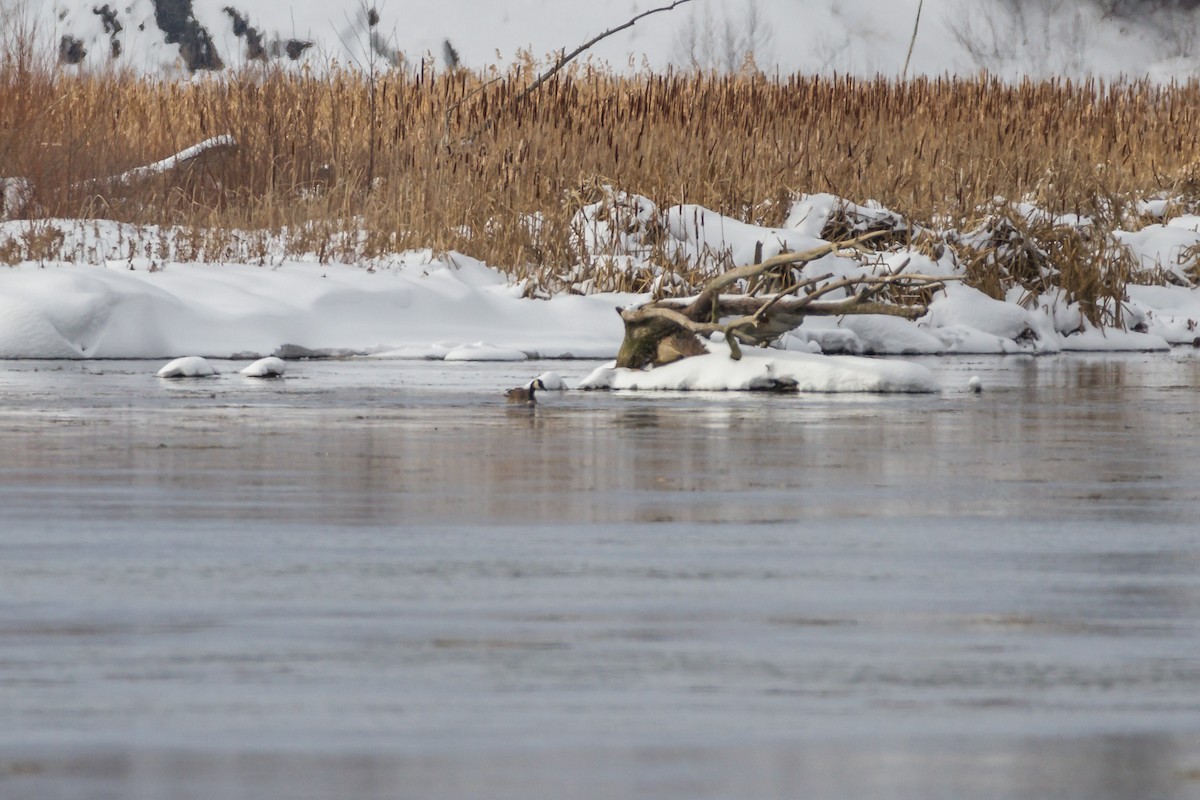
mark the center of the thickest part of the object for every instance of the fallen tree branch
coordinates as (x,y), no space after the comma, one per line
(705,299)
(185,157)
(665,330)
(16,194)
(746,317)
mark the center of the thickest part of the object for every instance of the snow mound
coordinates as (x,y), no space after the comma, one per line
(27,333)
(965,307)
(484,352)
(552,382)
(873,334)
(412,306)
(781,370)
(1173,313)
(1112,340)
(1162,246)
(187,367)
(270,367)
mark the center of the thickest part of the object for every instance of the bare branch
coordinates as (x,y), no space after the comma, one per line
(647,313)
(788,314)
(661,331)
(563,60)
(560,62)
(913,40)
(713,288)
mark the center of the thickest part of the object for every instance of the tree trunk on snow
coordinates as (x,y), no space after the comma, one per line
(657,342)
(667,330)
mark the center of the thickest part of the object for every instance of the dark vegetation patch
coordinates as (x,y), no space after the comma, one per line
(108,18)
(255,49)
(112,26)
(176,20)
(450,55)
(294,48)
(70,50)
(242,29)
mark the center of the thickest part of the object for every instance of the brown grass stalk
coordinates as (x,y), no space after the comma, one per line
(933,150)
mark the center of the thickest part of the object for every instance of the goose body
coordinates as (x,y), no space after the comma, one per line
(525,394)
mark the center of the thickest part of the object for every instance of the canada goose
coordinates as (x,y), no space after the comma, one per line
(525,394)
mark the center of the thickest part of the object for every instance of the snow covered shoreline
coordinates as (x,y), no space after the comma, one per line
(125,304)
(461,311)
(418,308)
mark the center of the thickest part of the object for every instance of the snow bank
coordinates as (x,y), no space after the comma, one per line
(1171,313)
(453,308)
(269,367)
(870,334)
(1111,340)
(479,351)
(1162,246)
(773,370)
(187,367)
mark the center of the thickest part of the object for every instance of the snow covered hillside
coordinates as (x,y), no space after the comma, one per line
(1152,38)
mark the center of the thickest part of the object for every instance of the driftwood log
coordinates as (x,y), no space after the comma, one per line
(200,160)
(667,330)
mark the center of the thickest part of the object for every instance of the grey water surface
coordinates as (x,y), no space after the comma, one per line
(375,579)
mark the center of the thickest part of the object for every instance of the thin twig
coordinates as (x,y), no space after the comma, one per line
(454,106)
(562,61)
(912,41)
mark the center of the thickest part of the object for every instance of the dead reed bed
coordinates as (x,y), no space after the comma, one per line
(352,167)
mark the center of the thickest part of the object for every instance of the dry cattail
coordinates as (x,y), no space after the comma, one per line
(458,166)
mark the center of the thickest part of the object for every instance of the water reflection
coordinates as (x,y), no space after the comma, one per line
(377,579)
(1107,768)
(1091,442)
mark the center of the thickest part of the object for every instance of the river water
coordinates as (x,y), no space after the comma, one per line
(375,579)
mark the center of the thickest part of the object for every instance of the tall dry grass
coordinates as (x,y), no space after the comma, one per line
(452,161)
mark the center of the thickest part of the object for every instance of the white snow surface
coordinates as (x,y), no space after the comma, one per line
(187,367)
(769,370)
(102,300)
(868,37)
(552,381)
(269,367)
(481,351)
(418,307)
